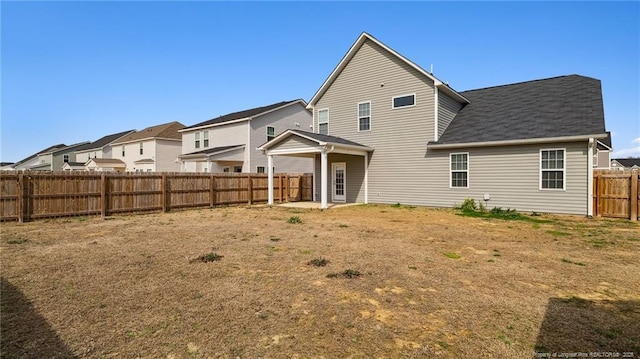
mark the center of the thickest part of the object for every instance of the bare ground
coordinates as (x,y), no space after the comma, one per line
(432,284)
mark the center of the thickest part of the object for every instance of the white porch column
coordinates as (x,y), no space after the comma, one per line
(270,175)
(366,178)
(323,178)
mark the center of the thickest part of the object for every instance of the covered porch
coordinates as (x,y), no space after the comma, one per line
(340,165)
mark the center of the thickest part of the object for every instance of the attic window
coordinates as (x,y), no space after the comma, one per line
(404,101)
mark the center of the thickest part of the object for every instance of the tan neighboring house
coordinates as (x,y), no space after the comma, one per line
(229,143)
(153,149)
(105,165)
(387,131)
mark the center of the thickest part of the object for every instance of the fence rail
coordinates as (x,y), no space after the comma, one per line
(28,196)
(615,194)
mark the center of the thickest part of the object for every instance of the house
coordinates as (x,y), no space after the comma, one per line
(33,160)
(73,166)
(625,163)
(229,143)
(153,149)
(602,153)
(7,166)
(387,131)
(53,159)
(105,165)
(100,148)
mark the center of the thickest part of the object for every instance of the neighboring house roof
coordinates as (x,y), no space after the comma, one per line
(211,151)
(2,164)
(166,131)
(144,160)
(98,144)
(565,106)
(73,165)
(354,49)
(110,162)
(316,137)
(246,114)
(628,162)
(46,150)
(64,148)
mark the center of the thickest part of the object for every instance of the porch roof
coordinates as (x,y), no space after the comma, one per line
(315,143)
(210,152)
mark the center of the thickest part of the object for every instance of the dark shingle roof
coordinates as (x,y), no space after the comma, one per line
(628,162)
(241,114)
(103,141)
(48,149)
(327,138)
(555,107)
(213,150)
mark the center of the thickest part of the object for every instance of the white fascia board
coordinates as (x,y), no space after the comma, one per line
(516,142)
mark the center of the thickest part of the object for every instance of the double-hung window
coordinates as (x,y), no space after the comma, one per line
(141,150)
(197,135)
(271,133)
(205,139)
(459,170)
(260,169)
(65,158)
(123,151)
(323,121)
(364,116)
(552,168)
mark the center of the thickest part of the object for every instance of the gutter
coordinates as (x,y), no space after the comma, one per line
(529,141)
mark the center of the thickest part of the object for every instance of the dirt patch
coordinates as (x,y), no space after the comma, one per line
(430,283)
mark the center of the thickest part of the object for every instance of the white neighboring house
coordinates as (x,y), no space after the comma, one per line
(100,148)
(229,143)
(153,149)
(105,165)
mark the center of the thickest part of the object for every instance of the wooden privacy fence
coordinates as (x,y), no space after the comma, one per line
(27,196)
(615,194)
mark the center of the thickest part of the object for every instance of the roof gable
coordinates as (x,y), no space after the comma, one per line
(565,106)
(364,37)
(246,114)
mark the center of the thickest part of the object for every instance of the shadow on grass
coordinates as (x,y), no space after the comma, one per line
(24,332)
(577,325)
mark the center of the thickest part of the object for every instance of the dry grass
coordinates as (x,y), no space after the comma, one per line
(134,287)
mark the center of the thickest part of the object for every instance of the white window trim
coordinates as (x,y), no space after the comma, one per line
(358,116)
(328,118)
(196,140)
(205,137)
(451,171)
(264,169)
(564,169)
(274,133)
(415,101)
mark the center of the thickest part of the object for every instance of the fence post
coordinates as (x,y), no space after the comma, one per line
(600,190)
(633,213)
(165,207)
(280,187)
(287,185)
(104,206)
(299,196)
(595,198)
(212,191)
(21,197)
(250,189)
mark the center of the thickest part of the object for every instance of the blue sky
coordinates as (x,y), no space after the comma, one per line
(76,71)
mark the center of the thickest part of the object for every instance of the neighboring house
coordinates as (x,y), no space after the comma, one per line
(33,160)
(602,155)
(53,160)
(625,163)
(100,148)
(153,149)
(6,166)
(105,165)
(387,131)
(229,143)
(73,166)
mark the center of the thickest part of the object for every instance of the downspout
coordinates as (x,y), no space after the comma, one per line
(590,178)
(435,111)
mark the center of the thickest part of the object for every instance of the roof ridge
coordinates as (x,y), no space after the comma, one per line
(524,82)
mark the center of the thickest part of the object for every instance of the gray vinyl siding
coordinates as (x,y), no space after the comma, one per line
(295,116)
(166,154)
(354,176)
(447,110)
(295,142)
(603,159)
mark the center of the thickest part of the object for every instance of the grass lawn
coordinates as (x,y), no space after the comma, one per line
(363,281)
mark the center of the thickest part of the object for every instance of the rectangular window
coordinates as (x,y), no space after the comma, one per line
(260,169)
(364,116)
(122,151)
(237,169)
(552,169)
(404,101)
(271,133)
(323,121)
(197,139)
(205,139)
(141,150)
(65,158)
(459,170)
(226,169)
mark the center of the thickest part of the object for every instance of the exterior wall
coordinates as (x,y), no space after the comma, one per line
(603,161)
(354,177)
(292,117)
(448,108)
(189,140)
(84,156)
(132,153)
(167,153)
